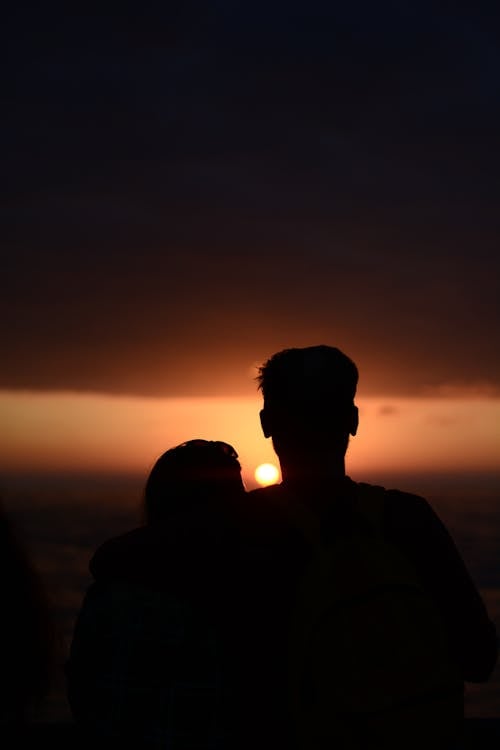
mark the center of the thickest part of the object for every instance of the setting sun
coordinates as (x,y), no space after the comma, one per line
(266,474)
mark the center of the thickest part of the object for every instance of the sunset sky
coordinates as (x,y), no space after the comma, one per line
(194,186)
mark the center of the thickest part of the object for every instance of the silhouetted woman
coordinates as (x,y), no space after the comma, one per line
(148,664)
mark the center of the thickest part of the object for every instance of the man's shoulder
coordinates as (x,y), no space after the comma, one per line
(264,506)
(406,514)
(400,507)
(272,492)
(393,497)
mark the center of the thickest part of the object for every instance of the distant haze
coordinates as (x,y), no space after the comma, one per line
(72,434)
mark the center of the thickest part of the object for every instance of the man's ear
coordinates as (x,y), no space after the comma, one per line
(354,421)
(265,423)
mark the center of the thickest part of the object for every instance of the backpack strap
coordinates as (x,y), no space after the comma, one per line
(368,503)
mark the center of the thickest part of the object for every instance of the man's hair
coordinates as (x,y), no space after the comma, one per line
(292,373)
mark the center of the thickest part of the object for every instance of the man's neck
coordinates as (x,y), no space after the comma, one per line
(323,463)
(315,480)
(318,494)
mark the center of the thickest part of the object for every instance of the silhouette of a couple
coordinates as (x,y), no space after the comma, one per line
(316,613)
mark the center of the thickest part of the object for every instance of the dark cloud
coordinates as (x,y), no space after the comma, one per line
(192,187)
(387,410)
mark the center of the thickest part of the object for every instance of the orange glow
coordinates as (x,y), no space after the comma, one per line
(267,474)
(74,432)
(81,432)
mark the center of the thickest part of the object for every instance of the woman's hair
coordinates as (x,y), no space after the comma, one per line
(190,475)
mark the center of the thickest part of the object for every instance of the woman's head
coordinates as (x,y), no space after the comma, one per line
(190,476)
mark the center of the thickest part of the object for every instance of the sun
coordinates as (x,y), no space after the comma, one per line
(267,474)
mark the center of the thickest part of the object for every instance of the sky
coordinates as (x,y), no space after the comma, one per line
(192,186)
(63,433)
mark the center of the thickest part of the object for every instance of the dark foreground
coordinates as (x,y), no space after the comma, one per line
(478,734)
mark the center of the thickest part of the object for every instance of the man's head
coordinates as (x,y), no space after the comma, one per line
(309,406)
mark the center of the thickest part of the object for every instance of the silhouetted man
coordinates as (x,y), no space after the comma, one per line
(310,414)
